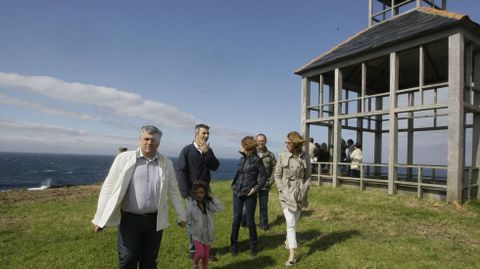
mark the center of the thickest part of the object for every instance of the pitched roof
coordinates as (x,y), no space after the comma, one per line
(411,24)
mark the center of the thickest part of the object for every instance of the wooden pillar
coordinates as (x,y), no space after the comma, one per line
(476,121)
(364,87)
(421,74)
(320,96)
(377,153)
(305,111)
(468,94)
(410,136)
(392,158)
(331,97)
(337,136)
(360,108)
(370,13)
(456,128)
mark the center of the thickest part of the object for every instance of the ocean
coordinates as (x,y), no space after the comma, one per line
(40,171)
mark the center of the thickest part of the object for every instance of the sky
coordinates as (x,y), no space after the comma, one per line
(82,77)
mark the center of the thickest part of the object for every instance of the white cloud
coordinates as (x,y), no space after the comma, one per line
(119,102)
(44,132)
(8,100)
(33,137)
(118,108)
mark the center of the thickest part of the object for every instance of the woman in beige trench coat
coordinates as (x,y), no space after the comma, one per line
(292,176)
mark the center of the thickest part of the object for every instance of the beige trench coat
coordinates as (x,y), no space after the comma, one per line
(292,176)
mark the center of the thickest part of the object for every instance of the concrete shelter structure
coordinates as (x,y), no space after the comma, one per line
(414,71)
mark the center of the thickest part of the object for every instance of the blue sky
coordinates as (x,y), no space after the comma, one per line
(84,76)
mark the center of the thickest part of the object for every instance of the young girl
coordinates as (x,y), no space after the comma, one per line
(200,213)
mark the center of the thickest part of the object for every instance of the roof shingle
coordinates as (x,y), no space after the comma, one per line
(410,24)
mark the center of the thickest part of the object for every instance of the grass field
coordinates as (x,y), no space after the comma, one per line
(343,228)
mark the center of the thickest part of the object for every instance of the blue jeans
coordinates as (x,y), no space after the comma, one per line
(250,203)
(263,202)
(191,246)
(138,241)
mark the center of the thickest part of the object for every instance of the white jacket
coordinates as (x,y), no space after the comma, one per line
(356,157)
(116,184)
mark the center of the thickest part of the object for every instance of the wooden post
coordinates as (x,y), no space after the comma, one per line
(370,13)
(364,87)
(377,154)
(456,128)
(305,111)
(331,98)
(421,74)
(320,96)
(410,136)
(337,136)
(392,159)
(392,9)
(468,74)
(476,122)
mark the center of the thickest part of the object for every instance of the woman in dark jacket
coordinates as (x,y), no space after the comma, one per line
(248,180)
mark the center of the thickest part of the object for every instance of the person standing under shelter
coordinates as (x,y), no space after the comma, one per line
(356,158)
(194,164)
(134,196)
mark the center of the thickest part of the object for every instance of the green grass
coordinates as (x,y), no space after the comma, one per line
(343,228)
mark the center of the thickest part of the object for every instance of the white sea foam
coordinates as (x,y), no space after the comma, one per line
(45,185)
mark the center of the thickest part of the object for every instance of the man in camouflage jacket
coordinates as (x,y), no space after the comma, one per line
(269,161)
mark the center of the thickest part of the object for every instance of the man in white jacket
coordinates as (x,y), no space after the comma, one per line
(134,197)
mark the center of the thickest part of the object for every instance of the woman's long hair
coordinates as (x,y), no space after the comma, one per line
(201,185)
(297,142)
(249,145)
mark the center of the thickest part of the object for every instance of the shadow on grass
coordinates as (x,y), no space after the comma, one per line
(328,240)
(264,242)
(280,219)
(257,262)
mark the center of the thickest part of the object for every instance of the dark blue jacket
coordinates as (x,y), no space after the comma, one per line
(192,166)
(250,174)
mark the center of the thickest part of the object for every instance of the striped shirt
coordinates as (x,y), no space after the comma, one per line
(143,192)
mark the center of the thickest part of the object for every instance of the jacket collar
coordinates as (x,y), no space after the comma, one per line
(140,155)
(290,155)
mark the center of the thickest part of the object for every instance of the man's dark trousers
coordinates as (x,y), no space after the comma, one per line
(138,241)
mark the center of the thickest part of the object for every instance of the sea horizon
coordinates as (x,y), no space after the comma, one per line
(37,171)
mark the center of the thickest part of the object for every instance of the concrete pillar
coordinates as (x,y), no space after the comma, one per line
(393,130)
(337,135)
(456,115)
